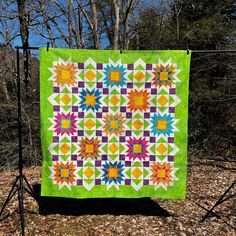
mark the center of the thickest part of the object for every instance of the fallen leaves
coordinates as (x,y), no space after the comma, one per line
(207,180)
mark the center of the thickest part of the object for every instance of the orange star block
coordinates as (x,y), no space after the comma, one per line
(65,74)
(161,173)
(138,100)
(89,148)
(114,124)
(163,75)
(64,172)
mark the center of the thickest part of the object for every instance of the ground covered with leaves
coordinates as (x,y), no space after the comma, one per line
(207,180)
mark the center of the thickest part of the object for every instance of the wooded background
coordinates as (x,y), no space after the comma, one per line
(122,24)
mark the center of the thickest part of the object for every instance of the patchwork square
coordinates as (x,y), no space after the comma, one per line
(114,125)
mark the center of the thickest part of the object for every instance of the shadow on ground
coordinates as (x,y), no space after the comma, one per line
(97,206)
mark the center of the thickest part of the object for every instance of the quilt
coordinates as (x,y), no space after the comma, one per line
(114,124)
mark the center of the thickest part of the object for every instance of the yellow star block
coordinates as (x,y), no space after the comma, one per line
(114,100)
(64,173)
(65,74)
(161,149)
(161,124)
(89,124)
(90,75)
(65,148)
(138,124)
(89,172)
(89,148)
(113,148)
(161,173)
(65,99)
(164,75)
(114,124)
(65,124)
(139,76)
(137,172)
(137,148)
(162,100)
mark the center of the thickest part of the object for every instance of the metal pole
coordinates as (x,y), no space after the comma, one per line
(20,189)
(213,51)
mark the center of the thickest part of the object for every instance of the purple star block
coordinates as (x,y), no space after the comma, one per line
(127,182)
(148,85)
(104,157)
(145,182)
(79,182)
(121,157)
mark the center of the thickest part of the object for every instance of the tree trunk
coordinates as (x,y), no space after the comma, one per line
(117,24)
(24,32)
(95,24)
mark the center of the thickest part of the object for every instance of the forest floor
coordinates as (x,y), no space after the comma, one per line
(207,180)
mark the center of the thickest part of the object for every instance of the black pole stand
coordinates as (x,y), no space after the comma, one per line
(220,200)
(20,184)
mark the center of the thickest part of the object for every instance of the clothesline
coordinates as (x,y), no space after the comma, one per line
(193,51)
